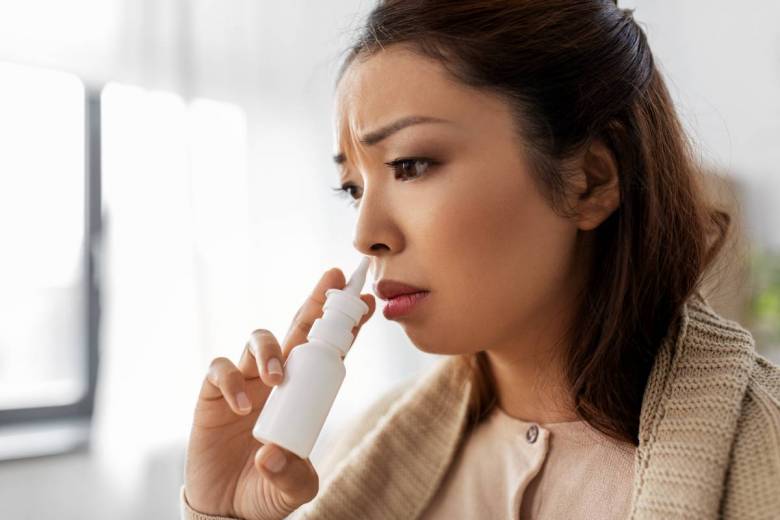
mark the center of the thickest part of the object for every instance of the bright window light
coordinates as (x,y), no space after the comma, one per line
(43,358)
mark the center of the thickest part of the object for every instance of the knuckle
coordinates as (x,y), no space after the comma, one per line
(263,336)
(265,343)
(258,337)
(302,326)
(259,332)
(231,373)
(216,364)
(299,312)
(221,369)
(317,301)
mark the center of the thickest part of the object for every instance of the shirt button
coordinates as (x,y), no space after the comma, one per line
(532,433)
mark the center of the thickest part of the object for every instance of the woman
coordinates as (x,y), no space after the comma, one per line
(521,162)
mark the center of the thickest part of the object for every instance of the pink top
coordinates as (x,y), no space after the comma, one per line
(513,469)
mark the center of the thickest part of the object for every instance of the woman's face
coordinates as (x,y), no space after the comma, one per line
(469,226)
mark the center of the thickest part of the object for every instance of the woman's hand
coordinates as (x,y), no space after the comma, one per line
(225,470)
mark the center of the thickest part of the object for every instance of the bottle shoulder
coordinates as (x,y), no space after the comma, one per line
(319,350)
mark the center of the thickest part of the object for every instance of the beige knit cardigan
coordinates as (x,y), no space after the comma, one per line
(709,435)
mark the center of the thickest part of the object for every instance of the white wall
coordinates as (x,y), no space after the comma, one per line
(722,64)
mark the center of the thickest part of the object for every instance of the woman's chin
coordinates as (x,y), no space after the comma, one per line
(433,347)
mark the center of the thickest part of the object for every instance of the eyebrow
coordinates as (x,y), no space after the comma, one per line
(376,136)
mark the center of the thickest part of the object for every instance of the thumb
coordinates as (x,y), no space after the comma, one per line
(294,477)
(369,300)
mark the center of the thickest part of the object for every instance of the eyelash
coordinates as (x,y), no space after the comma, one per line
(344,190)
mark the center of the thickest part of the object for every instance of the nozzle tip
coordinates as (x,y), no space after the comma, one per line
(358,278)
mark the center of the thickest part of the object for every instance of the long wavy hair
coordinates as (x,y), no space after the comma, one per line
(573,71)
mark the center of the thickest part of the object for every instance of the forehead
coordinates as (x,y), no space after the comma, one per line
(397,82)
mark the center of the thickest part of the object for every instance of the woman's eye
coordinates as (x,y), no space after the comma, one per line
(407,167)
(348,191)
(410,166)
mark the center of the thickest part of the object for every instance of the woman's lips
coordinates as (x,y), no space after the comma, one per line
(403,304)
(387,289)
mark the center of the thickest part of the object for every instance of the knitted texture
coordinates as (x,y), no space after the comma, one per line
(753,483)
(411,445)
(689,417)
(709,435)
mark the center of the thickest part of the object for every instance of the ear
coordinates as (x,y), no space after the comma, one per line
(598,186)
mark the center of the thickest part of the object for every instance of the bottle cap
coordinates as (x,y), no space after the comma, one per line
(343,310)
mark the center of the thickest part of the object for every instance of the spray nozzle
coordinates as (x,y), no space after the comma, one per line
(358,278)
(343,310)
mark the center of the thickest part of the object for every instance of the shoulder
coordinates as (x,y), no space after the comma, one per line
(753,476)
(725,351)
(761,404)
(358,427)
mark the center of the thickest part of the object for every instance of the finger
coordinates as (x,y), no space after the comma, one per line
(258,358)
(296,479)
(370,300)
(225,380)
(311,309)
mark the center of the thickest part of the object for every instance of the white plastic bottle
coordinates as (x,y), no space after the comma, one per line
(296,409)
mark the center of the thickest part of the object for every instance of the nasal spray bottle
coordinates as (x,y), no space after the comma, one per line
(296,409)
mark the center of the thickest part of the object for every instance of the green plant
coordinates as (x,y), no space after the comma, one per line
(764,303)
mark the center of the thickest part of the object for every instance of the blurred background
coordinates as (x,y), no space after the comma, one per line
(165,180)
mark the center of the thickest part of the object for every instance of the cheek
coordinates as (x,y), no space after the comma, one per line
(500,256)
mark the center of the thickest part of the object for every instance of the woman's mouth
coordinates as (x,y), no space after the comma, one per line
(403,304)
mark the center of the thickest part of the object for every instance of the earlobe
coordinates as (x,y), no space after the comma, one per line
(601,196)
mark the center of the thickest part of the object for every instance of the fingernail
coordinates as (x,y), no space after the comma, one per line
(243,401)
(274,366)
(276,461)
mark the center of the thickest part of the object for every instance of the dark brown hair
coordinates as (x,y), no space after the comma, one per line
(573,71)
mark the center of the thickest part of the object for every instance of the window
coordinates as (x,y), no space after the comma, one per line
(49,231)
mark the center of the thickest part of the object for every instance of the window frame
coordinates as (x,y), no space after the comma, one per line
(80,412)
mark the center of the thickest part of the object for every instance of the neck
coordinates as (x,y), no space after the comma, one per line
(529,370)
(531,392)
